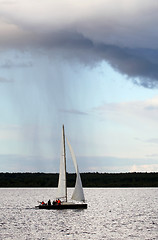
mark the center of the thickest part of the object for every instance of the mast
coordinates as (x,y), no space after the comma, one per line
(65,161)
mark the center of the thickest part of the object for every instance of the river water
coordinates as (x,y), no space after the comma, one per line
(113,213)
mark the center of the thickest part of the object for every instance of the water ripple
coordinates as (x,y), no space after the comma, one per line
(112,214)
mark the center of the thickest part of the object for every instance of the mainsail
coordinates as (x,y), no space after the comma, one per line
(78,194)
(62,189)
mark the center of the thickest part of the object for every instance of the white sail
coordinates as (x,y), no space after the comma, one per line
(62,190)
(78,194)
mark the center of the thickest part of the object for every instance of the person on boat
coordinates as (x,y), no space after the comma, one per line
(42,203)
(49,202)
(55,202)
(59,202)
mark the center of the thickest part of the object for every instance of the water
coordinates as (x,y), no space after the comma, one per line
(127,213)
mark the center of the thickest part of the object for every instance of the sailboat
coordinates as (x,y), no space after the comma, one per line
(77,199)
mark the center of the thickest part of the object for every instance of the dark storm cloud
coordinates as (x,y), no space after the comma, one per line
(134,63)
(123,33)
(139,64)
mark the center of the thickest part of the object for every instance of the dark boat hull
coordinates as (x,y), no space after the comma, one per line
(63,206)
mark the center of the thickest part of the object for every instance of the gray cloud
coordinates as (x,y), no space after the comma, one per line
(124,34)
(112,164)
(9,64)
(74,111)
(141,65)
(21,163)
(5,2)
(152,140)
(4,80)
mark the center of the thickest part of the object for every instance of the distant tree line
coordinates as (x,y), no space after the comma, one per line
(88,179)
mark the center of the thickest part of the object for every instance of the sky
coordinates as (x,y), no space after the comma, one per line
(90,65)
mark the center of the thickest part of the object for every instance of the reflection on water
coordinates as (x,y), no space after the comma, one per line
(112,214)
